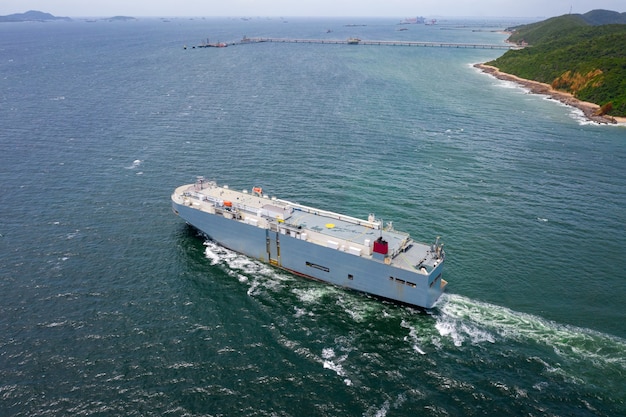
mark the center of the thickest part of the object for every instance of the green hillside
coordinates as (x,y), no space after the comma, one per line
(546,30)
(574,55)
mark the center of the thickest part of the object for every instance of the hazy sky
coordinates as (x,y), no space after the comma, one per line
(382,8)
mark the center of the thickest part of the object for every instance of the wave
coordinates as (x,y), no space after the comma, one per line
(136,164)
(258,275)
(465,320)
(334,363)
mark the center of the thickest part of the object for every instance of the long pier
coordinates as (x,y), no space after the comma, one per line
(382,43)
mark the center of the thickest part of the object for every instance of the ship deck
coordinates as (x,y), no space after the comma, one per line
(321,227)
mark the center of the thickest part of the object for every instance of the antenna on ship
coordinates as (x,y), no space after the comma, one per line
(200,181)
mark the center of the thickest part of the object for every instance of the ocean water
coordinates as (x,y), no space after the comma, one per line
(111,305)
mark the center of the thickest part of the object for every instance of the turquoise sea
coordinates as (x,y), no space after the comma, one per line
(111,305)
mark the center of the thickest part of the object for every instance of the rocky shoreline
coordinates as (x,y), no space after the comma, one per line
(590,110)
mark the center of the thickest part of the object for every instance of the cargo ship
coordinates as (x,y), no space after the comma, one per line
(362,255)
(413,20)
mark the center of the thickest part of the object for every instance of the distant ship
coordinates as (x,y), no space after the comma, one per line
(413,20)
(208,44)
(353,41)
(345,251)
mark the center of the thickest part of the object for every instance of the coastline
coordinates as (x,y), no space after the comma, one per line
(535,87)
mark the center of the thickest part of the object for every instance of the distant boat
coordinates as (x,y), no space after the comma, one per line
(353,41)
(413,20)
(213,45)
(207,44)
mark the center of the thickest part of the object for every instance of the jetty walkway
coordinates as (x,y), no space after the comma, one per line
(382,43)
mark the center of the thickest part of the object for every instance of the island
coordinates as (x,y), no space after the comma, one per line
(37,16)
(31,16)
(577,59)
(120,19)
